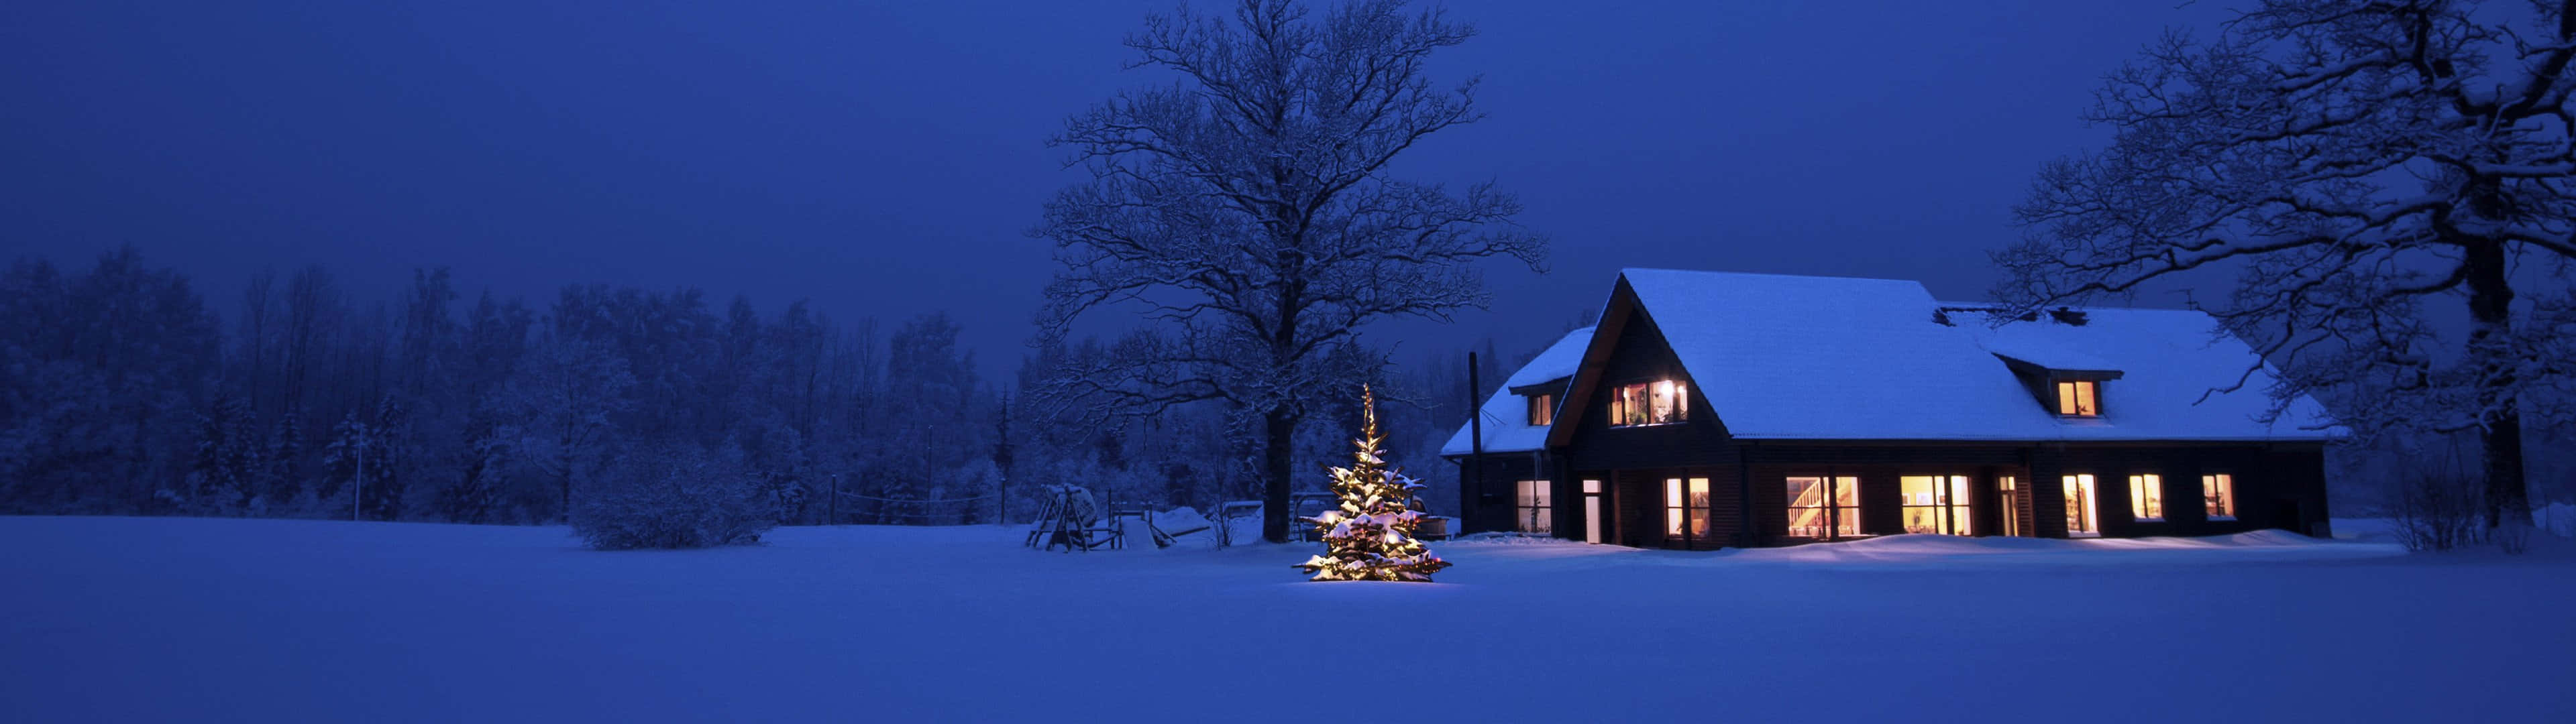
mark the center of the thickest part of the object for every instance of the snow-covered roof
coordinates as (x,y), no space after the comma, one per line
(1507,427)
(2038,349)
(1799,357)
(2169,359)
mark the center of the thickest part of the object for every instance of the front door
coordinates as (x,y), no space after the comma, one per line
(1635,501)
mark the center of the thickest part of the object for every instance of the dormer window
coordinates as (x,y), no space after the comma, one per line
(1542,410)
(2066,383)
(2079,398)
(1662,402)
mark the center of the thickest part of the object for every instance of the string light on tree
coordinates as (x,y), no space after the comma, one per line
(1370,536)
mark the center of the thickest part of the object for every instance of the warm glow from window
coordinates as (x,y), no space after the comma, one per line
(1542,410)
(1935,503)
(2008,492)
(1531,510)
(2147,497)
(1686,508)
(2218,492)
(2080,519)
(1824,507)
(1651,403)
(2076,399)
(1592,523)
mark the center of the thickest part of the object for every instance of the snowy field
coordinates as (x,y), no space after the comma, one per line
(125,619)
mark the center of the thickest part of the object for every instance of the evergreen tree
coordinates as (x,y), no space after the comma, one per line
(284,476)
(1370,538)
(477,490)
(347,459)
(224,475)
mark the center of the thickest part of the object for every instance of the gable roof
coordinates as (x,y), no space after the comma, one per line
(1506,415)
(1836,358)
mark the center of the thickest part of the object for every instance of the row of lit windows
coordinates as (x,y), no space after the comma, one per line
(2146,500)
(1829,506)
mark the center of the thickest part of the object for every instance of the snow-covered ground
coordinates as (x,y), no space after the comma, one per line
(124,619)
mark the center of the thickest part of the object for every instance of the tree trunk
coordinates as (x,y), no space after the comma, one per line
(565,480)
(1279,433)
(2500,422)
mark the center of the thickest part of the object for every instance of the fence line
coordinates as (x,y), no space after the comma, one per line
(847,494)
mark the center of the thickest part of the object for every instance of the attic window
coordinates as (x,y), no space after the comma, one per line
(1542,410)
(1662,402)
(2080,398)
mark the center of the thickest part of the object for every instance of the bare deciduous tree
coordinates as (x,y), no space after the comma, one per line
(1248,210)
(2354,161)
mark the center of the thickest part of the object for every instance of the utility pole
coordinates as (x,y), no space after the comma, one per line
(1475,477)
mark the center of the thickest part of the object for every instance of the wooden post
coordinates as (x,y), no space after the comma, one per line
(1475,442)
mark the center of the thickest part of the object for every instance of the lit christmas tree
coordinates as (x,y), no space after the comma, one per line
(1370,538)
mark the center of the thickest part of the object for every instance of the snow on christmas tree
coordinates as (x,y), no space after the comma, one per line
(1370,538)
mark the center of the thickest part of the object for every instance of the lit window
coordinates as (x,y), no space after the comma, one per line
(1651,403)
(1532,512)
(1686,513)
(2218,492)
(1824,507)
(2008,492)
(1592,524)
(2076,399)
(1935,503)
(2081,521)
(2147,497)
(1542,410)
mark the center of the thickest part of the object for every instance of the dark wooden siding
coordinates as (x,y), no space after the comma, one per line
(2276,486)
(1486,495)
(1634,462)
(1640,355)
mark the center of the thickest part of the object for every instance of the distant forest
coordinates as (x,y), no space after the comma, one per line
(123,390)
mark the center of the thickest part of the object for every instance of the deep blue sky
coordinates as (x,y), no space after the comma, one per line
(885,160)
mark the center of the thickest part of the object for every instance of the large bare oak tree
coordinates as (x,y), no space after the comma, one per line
(1247,211)
(2355,163)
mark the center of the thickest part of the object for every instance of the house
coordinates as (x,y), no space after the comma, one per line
(1712,409)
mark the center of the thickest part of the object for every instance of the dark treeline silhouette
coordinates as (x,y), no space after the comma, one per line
(123,390)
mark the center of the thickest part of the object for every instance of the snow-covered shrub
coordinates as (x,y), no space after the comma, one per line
(686,498)
(2513,537)
(2435,511)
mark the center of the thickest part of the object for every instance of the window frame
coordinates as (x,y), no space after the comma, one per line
(2229,492)
(1956,513)
(2140,484)
(1836,515)
(1683,495)
(2090,506)
(1542,409)
(2063,395)
(2008,495)
(1533,500)
(1622,405)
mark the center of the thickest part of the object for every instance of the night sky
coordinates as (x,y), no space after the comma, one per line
(886,160)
